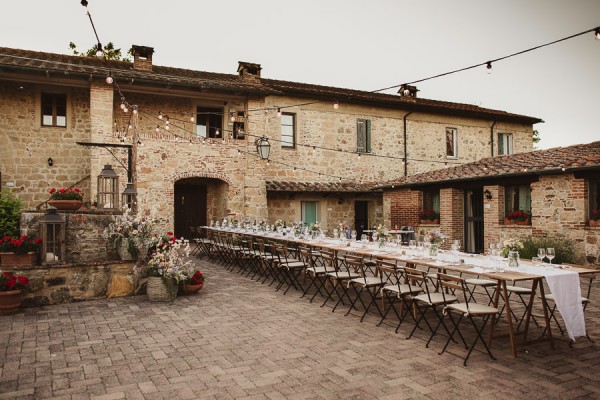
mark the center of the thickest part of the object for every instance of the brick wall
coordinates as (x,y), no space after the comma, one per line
(405,206)
(452,215)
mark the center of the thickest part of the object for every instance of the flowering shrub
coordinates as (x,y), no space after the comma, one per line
(9,281)
(595,215)
(429,215)
(20,244)
(137,230)
(435,237)
(66,194)
(518,216)
(168,260)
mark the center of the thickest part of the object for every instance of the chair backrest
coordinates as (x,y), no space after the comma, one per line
(354,264)
(415,278)
(306,256)
(452,284)
(329,261)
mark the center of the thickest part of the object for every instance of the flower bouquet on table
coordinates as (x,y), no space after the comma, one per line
(381,234)
(315,229)
(511,250)
(435,239)
(131,234)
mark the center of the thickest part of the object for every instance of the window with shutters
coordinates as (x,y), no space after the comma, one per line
(310,212)
(54,109)
(517,198)
(505,144)
(363,136)
(451,142)
(288,130)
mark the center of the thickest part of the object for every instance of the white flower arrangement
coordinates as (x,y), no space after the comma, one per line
(137,230)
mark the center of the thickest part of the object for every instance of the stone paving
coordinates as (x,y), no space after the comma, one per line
(239,339)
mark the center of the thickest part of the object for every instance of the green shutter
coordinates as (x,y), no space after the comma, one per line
(500,144)
(368,135)
(309,209)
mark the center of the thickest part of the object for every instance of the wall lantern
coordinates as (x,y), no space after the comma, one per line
(129,197)
(263,147)
(487,194)
(108,188)
(50,161)
(52,229)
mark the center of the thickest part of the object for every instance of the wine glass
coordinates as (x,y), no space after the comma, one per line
(550,254)
(412,244)
(353,236)
(542,254)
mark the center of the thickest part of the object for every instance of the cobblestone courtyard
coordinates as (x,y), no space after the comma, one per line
(240,339)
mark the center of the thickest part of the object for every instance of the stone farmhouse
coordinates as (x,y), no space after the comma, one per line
(187,140)
(559,188)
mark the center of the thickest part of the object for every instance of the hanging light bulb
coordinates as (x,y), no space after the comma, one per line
(157,128)
(125,109)
(122,106)
(192,118)
(160,116)
(167,127)
(99,52)
(109,79)
(129,126)
(597,33)
(135,110)
(217,133)
(336,105)
(279,112)
(489,67)
(232,118)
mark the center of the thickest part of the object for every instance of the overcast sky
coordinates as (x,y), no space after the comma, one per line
(364,45)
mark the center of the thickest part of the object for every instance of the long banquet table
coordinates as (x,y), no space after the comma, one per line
(567,298)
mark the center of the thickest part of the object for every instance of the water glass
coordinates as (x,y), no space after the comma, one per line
(412,244)
(536,261)
(353,236)
(550,254)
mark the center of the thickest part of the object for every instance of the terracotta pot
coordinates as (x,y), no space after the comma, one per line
(10,302)
(191,289)
(66,204)
(429,221)
(513,222)
(595,224)
(18,260)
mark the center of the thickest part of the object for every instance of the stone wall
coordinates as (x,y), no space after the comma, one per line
(84,241)
(68,283)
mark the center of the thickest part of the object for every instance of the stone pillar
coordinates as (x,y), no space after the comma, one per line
(101,117)
(452,215)
(493,215)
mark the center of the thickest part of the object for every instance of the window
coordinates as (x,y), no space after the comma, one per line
(594,196)
(505,144)
(54,109)
(431,200)
(209,122)
(363,136)
(310,213)
(238,125)
(451,142)
(517,198)
(288,130)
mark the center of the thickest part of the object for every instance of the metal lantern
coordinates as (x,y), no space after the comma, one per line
(52,228)
(108,188)
(263,147)
(129,196)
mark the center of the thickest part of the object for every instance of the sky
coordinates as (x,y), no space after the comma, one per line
(365,45)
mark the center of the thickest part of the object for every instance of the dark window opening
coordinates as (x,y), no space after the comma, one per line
(54,109)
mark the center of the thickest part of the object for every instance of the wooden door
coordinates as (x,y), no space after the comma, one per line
(361,217)
(190,210)
(474,220)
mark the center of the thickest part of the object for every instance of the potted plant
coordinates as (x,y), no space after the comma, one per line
(11,287)
(19,250)
(166,268)
(518,217)
(132,235)
(193,283)
(429,217)
(594,218)
(66,199)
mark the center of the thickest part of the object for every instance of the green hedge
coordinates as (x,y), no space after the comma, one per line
(10,214)
(563,248)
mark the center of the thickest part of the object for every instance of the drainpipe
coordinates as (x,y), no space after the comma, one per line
(406,145)
(492,137)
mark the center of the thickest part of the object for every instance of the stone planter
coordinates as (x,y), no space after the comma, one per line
(66,204)
(18,260)
(429,221)
(10,302)
(514,222)
(594,223)
(159,289)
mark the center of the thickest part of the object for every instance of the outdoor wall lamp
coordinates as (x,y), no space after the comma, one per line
(50,161)
(263,147)
(487,194)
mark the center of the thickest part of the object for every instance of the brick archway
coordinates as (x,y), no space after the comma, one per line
(184,175)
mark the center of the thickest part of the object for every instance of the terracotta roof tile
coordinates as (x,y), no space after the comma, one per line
(291,186)
(576,157)
(34,60)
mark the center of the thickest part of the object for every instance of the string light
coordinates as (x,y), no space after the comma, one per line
(157,128)
(109,79)
(232,118)
(336,105)
(489,67)
(135,109)
(597,33)
(160,116)
(99,52)
(279,112)
(192,118)
(125,109)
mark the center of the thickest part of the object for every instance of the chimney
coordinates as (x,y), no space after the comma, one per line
(249,71)
(142,57)
(408,91)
